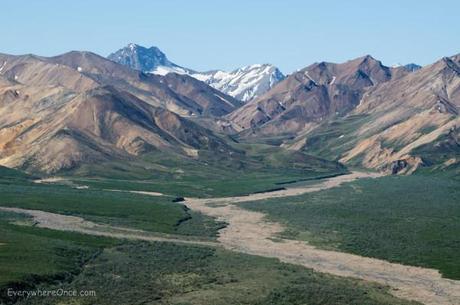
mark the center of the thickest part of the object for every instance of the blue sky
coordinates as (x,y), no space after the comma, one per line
(216,34)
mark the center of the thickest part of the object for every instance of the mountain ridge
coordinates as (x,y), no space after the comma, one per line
(311,95)
(244,83)
(59,112)
(82,107)
(398,125)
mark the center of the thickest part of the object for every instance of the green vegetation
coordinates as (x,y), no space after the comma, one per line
(161,273)
(446,147)
(157,214)
(413,220)
(31,255)
(417,225)
(331,139)
(260,169)
(211,183)
(12,176)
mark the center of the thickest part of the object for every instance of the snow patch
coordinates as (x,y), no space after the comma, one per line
(163,70)
(333,80)
(224,100)
(3,66)
(309,77)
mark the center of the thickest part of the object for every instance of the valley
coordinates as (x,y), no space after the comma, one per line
(249,232)
(152,183)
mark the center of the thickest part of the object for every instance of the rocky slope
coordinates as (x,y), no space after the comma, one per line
(418,110)
(167,92)
(313,94)
(398,126)
(57,113)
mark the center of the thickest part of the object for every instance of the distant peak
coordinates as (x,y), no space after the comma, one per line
(257,67)
(323,64)
(412,67)
(450,62)
(134,47)
(141,58)
(368,58)
(368,61)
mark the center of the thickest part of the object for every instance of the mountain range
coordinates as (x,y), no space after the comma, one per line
(244,84)
(313,94)
(363,113)
(57,113)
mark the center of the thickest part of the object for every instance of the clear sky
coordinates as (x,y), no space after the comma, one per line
(217,34)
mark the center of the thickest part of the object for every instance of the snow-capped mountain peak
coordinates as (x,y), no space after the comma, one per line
(149,60)
(245,83)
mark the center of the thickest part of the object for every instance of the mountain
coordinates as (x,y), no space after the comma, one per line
(398,126)
(402,70)
(362,113)
(77,108)
(60,112)
(243,84)
(409,118)
(155,89)
(308,96)
(148,60)
(412,67)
